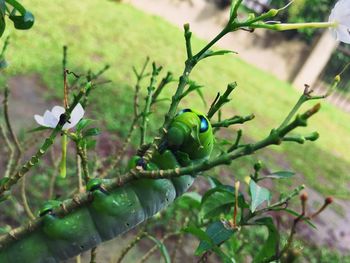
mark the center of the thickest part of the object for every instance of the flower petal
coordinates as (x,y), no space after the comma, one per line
(343,34)
(39,119)
(57,111)
(76,116)
(50,120)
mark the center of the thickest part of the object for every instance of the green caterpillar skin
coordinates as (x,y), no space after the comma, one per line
(110,214)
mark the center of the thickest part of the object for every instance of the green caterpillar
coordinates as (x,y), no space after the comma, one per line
(189,139)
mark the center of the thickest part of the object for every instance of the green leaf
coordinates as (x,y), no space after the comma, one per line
(83,123)
(190,200)
(217,204)
(200,93)
(91,132)
(280,175)
(259,195)
(220,199)
(211,53)
(217,234)
(162,248)
(40,128)
(90,144)
(270,246)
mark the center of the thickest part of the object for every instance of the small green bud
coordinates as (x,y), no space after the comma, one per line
(313,136)
(251,16)
(258,166)
(272,12)
(337,78)
(187,27)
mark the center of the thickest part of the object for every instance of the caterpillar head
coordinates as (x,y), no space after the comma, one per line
(191,132)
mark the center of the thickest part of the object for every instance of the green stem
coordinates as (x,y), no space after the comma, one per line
(188,35)
(232,121)
(84,162)
(146,111)
(63,169)
(295,109)
(291,26)
(217,104)
(199,55)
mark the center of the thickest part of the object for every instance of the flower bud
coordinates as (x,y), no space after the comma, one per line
(337,78)
(304,197)
(272,12)
(328,200)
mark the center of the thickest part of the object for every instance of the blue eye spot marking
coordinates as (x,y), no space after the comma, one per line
(204,124)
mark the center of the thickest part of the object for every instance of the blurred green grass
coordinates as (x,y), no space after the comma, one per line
(99,32)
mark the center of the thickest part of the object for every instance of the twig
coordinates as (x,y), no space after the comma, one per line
(232,121)
(146,111)
(306,96)
(165,81)
(46,145)
(84,162)
(80,179)
(132,243)
(221,100)
(236,144)
(139,77)
(93,255)
(176,248)
(155,247)
(12,137)
(10,147)
(24,199)
(188,35)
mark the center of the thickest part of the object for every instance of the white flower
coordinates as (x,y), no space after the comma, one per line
(51,118)
(341,15)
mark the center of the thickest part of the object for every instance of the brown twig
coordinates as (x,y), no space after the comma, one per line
(155,247)
(12,137)
(131,244)
(93,254)
(24,199)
